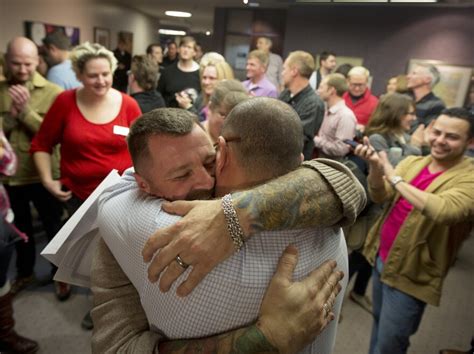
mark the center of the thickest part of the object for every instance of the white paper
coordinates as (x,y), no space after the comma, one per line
(72,249)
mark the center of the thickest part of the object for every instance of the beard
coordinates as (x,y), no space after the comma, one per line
(200,194)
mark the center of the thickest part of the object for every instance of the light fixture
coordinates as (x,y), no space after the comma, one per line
(208,33)
(171,32)
(178,14)
(418,1)
(245,2)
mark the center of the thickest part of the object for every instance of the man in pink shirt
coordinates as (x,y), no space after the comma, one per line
(257,83)
(428,212)
(339,121)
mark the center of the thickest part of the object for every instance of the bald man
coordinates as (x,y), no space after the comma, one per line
(25,97)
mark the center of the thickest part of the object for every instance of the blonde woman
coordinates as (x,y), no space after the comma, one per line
(211,72)
(91,123)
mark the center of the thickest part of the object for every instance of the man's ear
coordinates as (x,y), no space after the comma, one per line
(470,142)
(222,155)
(142,183)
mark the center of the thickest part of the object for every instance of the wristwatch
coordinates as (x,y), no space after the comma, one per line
(395,180)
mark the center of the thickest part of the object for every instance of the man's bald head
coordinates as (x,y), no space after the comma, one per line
(22,59)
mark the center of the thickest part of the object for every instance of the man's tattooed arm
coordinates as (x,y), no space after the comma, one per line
(245,340)
(302,198)
(321,193)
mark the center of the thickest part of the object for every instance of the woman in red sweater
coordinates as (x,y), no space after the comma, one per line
(90,123)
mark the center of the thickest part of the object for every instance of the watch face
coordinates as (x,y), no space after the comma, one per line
(395,179)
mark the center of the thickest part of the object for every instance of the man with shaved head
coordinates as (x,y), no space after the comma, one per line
(25,97)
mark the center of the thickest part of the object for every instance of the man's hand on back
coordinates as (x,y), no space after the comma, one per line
(292,314)
(197,240)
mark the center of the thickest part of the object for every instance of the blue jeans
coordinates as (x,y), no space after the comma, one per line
(396,316)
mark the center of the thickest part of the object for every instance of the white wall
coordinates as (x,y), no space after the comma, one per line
(84,14)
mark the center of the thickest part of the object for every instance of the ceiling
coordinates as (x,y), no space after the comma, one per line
(202,19)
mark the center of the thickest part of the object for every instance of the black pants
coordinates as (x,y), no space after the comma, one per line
(49,210)
(7,236)
(358,264)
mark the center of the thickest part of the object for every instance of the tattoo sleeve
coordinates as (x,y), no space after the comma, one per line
(317,194)
(241,341)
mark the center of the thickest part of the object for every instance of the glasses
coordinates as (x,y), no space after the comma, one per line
(357,85)
(228,140)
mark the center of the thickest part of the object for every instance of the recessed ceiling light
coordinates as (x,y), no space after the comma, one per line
(208,33)
(178,14)
(172,32)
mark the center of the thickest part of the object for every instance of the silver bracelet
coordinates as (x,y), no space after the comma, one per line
(233,224)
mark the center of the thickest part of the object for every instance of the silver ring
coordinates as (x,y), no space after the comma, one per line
(327,310)
(181,263)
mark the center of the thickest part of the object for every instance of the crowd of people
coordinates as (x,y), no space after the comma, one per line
(294,154)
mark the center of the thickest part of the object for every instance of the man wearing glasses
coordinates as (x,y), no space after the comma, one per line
(229,297)
(359,98)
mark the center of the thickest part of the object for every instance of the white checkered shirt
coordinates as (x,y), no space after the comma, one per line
(230,296)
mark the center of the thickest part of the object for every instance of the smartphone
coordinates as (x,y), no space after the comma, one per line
(353,144)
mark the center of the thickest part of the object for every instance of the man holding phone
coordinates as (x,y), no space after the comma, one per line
(339,122)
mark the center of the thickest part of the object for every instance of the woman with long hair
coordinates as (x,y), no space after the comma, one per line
(389,126)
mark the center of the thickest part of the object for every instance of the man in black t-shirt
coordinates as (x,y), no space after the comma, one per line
(181,78)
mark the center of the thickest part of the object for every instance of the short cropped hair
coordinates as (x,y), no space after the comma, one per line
(58,39)
(233,98)
(82,53)
(359,70)
(344,69)
(324,55)
(267,39)
(271,136)
(161,121)
(339,82)
(303,61)
(432,72)
(461,113)
(260,55)
(149,49)
(145,70)
(223,88)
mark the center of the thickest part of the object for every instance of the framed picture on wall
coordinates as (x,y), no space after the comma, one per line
(36,31)
(102,36)
(454,83)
